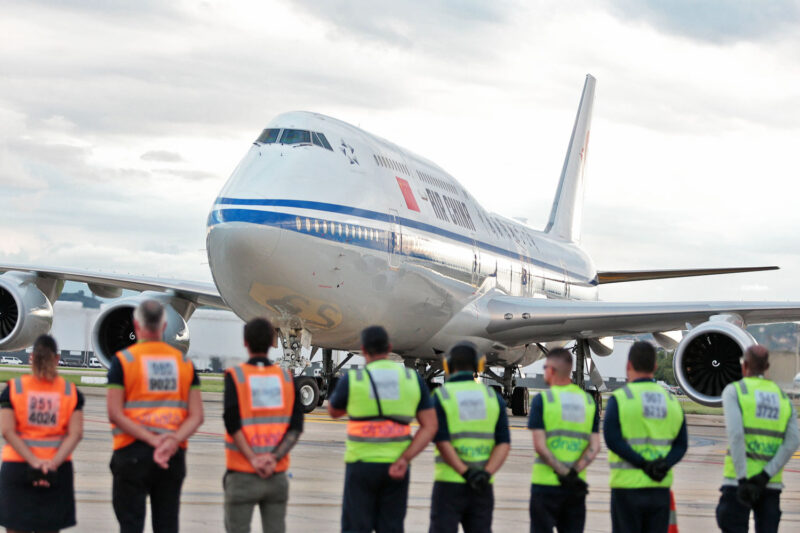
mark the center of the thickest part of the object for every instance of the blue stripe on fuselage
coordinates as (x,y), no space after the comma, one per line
(265,218)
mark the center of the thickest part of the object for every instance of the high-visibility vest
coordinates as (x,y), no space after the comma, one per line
(266,401)
(372,438)
(472,411)
(766,412)
(157,382)
(568,419)
(42,410)
(650,419)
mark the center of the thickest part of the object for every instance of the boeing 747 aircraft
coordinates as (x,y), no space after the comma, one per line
(325,229)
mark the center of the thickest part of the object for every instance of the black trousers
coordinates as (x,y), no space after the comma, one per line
(733,516)
(640,510)
(372,500)
(456,503)
(559,509)
(135,477)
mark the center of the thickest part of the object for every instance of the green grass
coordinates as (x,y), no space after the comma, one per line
(206,385)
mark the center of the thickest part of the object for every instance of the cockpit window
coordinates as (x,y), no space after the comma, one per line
(268,136)
(296,137)
(320,140)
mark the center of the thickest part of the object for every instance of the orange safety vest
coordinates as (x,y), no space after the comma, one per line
(266,401)
(157,382)
(42,410)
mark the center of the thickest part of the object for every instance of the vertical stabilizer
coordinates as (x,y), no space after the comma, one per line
(565,216)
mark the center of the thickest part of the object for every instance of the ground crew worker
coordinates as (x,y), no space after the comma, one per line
(646,436)
(565,423)
(154,406)
(472,443)
(762,436)
(381,400)
(263,420)
(42,423)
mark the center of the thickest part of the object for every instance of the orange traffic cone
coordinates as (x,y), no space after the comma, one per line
(673,514)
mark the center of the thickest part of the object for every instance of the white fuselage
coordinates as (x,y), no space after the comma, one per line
(333,236)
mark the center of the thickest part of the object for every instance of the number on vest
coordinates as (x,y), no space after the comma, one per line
(654,405)
(573,407)
(767,405)
(471,405)
(162,375)
(387,382)
(43,408)
(266,391)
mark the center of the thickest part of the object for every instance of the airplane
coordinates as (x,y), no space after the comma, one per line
(325,229)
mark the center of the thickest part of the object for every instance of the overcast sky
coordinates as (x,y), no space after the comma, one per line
(120,121)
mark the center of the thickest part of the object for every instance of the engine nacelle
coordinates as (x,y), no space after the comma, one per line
(113,330)
(25,311)
(708,358)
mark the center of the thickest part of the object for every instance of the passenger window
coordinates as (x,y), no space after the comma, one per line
(268,136)
(296,137)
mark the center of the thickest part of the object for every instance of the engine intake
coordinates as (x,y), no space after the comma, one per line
(708,359)
(25,311)
(113,331)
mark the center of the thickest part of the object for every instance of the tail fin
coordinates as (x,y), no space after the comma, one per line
(565,216)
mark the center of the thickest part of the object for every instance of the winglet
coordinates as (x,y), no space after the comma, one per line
(565,216)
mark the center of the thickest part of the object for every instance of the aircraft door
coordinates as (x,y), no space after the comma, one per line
(395,240)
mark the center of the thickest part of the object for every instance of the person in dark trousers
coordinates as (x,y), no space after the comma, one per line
(565,423)
(154,406)
(646,436)
(381,400)
(41,419)
(263,420)
(761,425)
(472,443)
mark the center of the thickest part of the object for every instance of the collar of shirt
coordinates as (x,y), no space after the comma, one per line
(259,361)
(464,375)
(643,380)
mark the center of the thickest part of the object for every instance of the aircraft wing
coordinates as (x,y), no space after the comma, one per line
(513,320)
(195,291)
(619,276)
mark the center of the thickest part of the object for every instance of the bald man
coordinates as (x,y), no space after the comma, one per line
(762,436)
(565,424)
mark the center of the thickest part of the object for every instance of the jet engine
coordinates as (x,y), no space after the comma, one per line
(708,358)
(25,310)
(113,330)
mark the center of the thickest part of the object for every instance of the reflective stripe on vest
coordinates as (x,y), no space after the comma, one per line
(370,438)
(650,419)
(568,414)
(766,412)
(266,400)
(157,381)
(42,410)
(472,412)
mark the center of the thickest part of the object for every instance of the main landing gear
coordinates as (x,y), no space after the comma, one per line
(516,397)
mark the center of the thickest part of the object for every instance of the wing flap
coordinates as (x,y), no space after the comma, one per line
(196,291)
(619,276)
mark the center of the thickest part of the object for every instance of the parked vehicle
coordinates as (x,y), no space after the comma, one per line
(94,362)
(9,360)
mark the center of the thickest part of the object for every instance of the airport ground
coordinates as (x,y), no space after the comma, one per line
(317,474)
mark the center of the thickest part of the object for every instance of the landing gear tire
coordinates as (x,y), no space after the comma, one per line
(309,393)
(519,401)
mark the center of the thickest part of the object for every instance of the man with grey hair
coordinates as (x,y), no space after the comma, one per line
(154,406)
(762,436)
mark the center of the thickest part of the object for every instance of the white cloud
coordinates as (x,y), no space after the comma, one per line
(119,124)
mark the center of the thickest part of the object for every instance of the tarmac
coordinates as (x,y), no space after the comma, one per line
(317,476)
